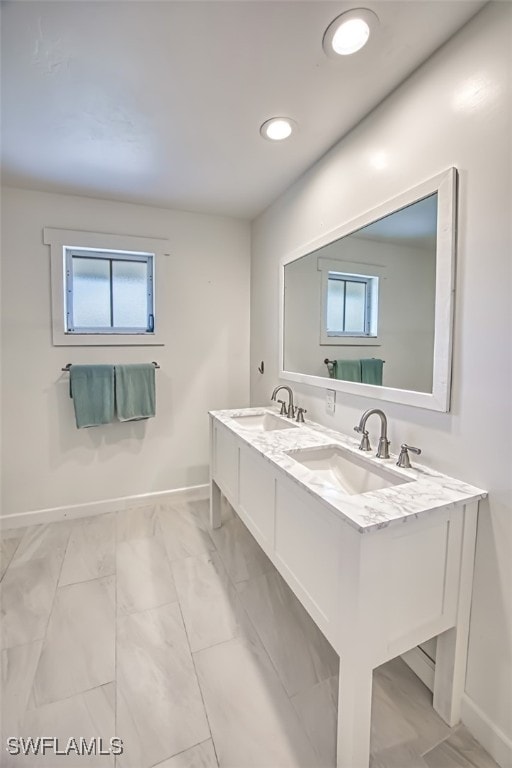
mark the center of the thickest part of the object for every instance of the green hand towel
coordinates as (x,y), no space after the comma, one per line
(371,371)
(348,370)
(135,391)
(92,390)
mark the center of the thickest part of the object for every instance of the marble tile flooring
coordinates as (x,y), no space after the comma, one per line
(188,646)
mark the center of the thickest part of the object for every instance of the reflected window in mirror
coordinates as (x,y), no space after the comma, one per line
(351,306)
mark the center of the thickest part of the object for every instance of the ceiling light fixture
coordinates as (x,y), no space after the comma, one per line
(349,32)
(277,128)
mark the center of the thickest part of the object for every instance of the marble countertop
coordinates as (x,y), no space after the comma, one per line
(423,490)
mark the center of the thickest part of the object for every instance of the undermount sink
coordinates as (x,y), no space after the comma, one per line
(334,466)
(263,422)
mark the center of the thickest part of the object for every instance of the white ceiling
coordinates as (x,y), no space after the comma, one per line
(161,102)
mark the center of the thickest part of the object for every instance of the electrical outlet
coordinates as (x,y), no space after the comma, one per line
(330,401)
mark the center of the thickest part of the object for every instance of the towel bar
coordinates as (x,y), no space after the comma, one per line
(68,366)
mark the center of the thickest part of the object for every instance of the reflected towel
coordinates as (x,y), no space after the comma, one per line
(92,390)
(348,370)
(135,391)
(371,371)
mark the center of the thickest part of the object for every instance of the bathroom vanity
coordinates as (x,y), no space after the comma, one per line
(381,557)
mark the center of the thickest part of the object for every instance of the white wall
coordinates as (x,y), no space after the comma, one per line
(47,462)
(454,111)
(405,312)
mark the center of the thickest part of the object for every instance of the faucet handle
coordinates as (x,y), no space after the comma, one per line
(364,445)
(403,459)
(283,411)
(300,415)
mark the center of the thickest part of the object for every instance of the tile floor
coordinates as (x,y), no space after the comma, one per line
(188,646)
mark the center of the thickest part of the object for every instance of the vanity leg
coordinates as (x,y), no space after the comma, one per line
(354,714)
(215,505)
(452,645)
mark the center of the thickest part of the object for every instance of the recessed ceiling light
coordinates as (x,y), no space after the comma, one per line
(277,128)
(349,32)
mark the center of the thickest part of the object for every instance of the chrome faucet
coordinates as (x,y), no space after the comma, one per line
(383,449)
(287,411)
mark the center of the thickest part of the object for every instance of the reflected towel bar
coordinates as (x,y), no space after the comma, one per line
(68,366)
(331,362)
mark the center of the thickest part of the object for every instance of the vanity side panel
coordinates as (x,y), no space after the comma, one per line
(409,582)
(257,496)
(226,461)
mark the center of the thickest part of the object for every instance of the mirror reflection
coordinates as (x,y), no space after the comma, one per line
(362,309)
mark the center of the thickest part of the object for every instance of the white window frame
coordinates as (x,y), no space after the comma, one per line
(369,273)
(112,256)
(63,241)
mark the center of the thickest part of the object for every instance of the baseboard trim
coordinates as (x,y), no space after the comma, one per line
(55,514)
(492,738)
(422,666)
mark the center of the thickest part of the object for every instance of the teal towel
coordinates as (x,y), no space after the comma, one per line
(371,371)
(348,370)
(135,391)
(92,390)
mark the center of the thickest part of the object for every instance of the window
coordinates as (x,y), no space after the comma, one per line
(349,314)
(107,288)
(108,292)
(351,305)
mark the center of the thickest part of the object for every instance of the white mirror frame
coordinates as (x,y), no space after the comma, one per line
(445,184)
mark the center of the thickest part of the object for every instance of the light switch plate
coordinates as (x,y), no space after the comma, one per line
(330,400)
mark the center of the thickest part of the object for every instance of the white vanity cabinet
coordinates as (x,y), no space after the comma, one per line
(310,551)
(375,592)
(257,493)
(246,480)
(224,462)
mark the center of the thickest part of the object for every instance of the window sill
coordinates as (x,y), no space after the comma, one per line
(350,341)
(106,340)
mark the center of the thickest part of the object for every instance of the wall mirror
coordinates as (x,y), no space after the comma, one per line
(367,309)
